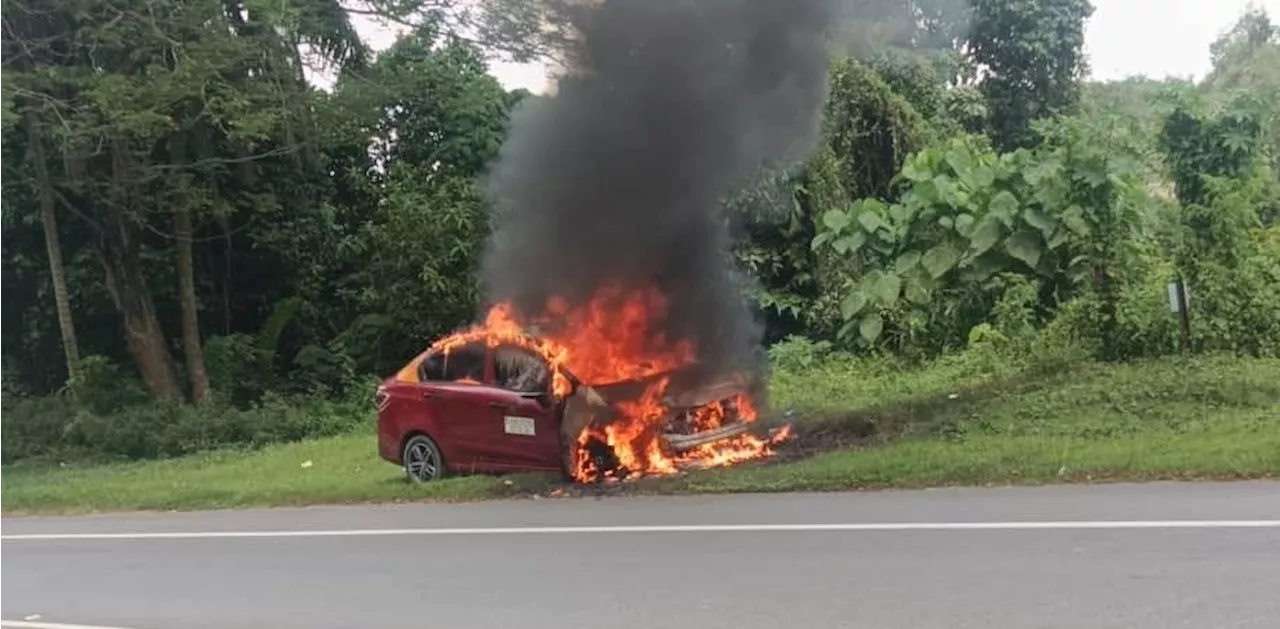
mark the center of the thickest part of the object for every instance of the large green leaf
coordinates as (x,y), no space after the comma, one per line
(913,172)
(1024,245)
(887,287)
(946,187)
(980,178)
(836,220)
(964,224)
(906,262)
(872,221)
(986,234)
(871,326)
(916,292)
(940,259)
(1041,221)
(881,247)
(900,213)
(852,304)
(1093,174)
(849,244)
(984,266)
(1060,237)
(1039,172)
(926,191)
(1073,218)
(1004,206)
(960,160)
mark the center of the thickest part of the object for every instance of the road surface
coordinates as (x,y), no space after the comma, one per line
(1203,555)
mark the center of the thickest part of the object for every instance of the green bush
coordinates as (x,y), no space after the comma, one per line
(64,428)
(103,387)
(239,368)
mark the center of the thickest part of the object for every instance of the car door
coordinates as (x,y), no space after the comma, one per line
(524,410)
(461,405)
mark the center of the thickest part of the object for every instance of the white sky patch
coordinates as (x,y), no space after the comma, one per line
(1160,38)
(1152,38)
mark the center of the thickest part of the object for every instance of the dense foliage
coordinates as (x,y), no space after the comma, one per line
(203,249)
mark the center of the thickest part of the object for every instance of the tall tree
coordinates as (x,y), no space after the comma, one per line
(1247,59)
(436,118)
(42,186)
(1029,56)
(126,78)
(53,247)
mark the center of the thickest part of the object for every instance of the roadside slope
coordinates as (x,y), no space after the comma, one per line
(860,426)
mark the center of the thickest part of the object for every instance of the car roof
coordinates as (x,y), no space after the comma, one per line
(410,372)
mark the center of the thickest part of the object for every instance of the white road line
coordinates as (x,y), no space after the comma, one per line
(22,624)
(672,528)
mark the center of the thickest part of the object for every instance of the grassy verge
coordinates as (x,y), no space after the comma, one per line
(862,424)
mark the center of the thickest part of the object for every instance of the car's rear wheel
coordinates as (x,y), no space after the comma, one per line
(422,459)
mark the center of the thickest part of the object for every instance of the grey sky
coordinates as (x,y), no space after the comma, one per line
(1156,38)
(1160,38)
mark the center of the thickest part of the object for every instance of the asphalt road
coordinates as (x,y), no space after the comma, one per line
(1074,556)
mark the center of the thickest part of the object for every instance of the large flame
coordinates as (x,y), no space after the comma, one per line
(615,337)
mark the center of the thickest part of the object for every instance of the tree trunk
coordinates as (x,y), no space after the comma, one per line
(57,272)
(225,226)
(142,330)
(118,249)
(190,318)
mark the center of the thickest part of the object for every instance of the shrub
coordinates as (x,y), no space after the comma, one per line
(239,368)
(103,387)
(63,428)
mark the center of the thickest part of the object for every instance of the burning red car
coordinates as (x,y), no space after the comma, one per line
(499,398)
(481,409)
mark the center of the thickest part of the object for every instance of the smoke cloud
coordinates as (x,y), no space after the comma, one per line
(616,179)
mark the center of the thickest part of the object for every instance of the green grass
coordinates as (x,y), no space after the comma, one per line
(863,424)
(329,470)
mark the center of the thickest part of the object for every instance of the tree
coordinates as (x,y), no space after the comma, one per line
(436,119)
(154,108)
(53,248)
(1247,59)
(520,30)
(18,30)
(1030,60)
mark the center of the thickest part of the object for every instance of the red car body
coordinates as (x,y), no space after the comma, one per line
(477,425)
(490,410)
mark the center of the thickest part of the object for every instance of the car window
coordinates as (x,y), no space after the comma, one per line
(520,370)
(464,363)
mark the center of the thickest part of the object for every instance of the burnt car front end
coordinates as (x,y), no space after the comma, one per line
(699,415)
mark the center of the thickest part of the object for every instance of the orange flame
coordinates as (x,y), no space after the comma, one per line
(614,338)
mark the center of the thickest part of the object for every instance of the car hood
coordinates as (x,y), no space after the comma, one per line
(685,389)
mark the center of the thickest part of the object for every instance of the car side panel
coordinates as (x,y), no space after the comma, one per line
(513,415)
(461,415)
(439,409)
(402,412)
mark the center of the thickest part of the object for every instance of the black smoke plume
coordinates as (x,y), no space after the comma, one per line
(617,177)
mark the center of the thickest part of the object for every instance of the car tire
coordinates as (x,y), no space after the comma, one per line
(422,459)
